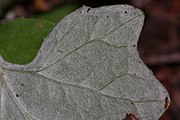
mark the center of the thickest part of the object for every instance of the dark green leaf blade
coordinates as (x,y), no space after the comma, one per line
(20,39)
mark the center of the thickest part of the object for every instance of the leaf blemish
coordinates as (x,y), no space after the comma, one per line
(166,104)
(125,11)
(17,95)
(40,23)
(88,9)
(60,51)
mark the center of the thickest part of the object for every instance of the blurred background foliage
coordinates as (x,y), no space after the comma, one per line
(158,46)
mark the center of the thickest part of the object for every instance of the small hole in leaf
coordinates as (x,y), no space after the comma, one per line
(134,45)
(125,11)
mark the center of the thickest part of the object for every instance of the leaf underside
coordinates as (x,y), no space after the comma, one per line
(88,68)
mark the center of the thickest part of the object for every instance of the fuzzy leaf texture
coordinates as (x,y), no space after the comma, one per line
(88,68)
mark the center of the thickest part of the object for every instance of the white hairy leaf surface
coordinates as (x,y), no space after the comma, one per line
(88,68)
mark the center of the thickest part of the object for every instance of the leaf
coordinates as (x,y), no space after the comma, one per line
(22,38)
(88,68)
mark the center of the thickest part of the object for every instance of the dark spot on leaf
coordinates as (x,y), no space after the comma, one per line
(22,84)
(130,117)
(125,11)
(60,51)
(104,58)
(107,16)
(88,9)
(134,45)
(17,95)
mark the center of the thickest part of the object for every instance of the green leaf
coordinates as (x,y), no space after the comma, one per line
(21,39)
(58,13)
(88,68)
